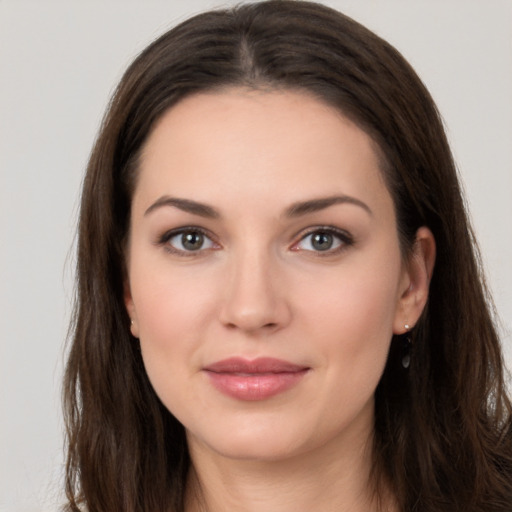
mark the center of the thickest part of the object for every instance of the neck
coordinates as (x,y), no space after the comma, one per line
(322,480)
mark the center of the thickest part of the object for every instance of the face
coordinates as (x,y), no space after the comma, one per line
(265,278)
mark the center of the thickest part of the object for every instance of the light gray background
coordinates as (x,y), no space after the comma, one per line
(59,62)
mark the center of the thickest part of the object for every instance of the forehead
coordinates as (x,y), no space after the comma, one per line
(214,145)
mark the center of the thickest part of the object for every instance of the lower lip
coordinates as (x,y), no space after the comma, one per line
(252,387)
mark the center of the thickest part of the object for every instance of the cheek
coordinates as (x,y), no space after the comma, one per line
(168,298)
(353,330)
(174,309)
(359,302)
(351,316)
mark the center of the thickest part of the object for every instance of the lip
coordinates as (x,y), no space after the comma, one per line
(257,379)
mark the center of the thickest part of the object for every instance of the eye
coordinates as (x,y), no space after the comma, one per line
(187,241)
(324,240)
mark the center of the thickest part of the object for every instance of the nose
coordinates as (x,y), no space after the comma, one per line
(254,295)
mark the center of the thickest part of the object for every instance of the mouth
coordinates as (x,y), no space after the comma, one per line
(253,380)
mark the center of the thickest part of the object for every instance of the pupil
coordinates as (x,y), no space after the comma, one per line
(322,241)
(192,241)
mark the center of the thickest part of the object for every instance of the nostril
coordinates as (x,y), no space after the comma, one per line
(264,327)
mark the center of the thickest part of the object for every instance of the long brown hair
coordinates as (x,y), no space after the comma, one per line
(443,431)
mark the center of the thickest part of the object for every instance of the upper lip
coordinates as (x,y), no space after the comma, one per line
(254,366)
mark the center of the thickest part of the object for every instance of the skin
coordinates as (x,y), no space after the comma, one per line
(259,287)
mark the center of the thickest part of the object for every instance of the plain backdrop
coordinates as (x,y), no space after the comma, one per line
(59,62)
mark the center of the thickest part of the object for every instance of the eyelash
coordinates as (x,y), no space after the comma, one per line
(169,235)
(344,240)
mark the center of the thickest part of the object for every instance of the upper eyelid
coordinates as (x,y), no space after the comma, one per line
(345,238)
(163,241)
(342,233)
(166,235)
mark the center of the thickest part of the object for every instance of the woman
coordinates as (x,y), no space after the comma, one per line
(280,305)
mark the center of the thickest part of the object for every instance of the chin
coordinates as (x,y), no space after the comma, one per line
(262,450)
(256,442)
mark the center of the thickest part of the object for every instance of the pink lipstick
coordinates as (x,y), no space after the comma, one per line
(258,379)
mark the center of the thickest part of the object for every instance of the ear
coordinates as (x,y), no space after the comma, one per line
(130,308)
(414,287)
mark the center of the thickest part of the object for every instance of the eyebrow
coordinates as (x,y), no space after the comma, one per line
(186,205)
(295,210)
(315,205)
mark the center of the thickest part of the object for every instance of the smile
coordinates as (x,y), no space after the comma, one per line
(254,380)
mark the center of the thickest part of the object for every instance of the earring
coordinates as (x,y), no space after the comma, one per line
(406,349)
